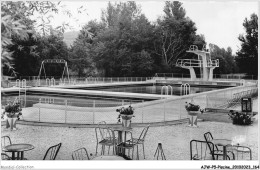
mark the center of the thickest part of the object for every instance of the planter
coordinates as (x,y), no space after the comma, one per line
(11,122)
(126,120)
(193,113)
(193,118)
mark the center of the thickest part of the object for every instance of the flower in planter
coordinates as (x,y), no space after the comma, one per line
(240,118)
(192,107)
(125,111)
(12,110)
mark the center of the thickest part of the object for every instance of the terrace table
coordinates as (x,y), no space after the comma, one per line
(224,143)
(112,157)
(121,136)
(19,148)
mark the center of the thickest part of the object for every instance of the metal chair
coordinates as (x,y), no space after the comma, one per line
(105,137)
(199,150)
(80,154)
(102,123)
(141,139)
(215,150)
(4,156)
(5,140)
(242,152)
(52,152)
(128,144)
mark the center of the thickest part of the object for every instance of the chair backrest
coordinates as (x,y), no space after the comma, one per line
(143,134)
(242,152)
(5,140)
(208,136)
(104,133)
(52,152)
(199,150)
(102,123)
(80,154)
(102,130)
(4,156)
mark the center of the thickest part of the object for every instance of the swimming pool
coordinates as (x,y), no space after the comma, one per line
(150,89)
(30,99)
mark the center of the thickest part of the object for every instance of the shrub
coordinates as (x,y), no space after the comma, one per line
(240,118)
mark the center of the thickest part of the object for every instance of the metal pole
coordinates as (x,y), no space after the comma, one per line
(143,111)
(39,113)
(94,105)
(66,105)
(164,109)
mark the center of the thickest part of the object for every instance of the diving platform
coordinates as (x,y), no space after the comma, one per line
(204,62)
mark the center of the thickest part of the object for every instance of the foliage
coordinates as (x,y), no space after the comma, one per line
(124,43)
(227,62)
(20,31)
(16,25)
(52,47)
(13,109)
(240,118)
(247,56)
(175,33)
(118,48)
(125,111)
(192,107)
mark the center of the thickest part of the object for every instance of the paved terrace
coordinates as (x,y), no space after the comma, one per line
(174,138)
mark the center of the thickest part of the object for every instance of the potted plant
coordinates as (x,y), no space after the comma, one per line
(193,110)
(241,118)
(13,112)
(126,114)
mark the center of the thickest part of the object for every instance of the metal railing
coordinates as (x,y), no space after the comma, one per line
(189,63)
(91,111)
(51,81)
(215,76)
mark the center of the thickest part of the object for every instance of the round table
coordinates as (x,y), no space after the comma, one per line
(112,157)
(224,143)
(122,136)
(19,148)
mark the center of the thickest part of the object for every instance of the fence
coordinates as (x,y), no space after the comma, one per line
(92,111)
(215,76)
(50,81)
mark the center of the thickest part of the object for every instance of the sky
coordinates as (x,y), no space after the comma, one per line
(219,21)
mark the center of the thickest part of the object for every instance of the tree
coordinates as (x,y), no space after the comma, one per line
(127,36)
(16,26)
(175,33)
(227,63)
(52,47)
(247,56)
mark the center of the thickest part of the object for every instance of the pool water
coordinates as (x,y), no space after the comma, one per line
(70,100)
(151,89)
(32,98)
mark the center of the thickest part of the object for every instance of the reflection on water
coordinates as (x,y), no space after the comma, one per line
(156,89)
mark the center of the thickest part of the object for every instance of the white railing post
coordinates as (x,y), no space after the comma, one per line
(143,111)
(66,108)
(47,81)
(39,113)
(24,86)
(164,109)
(94,106)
